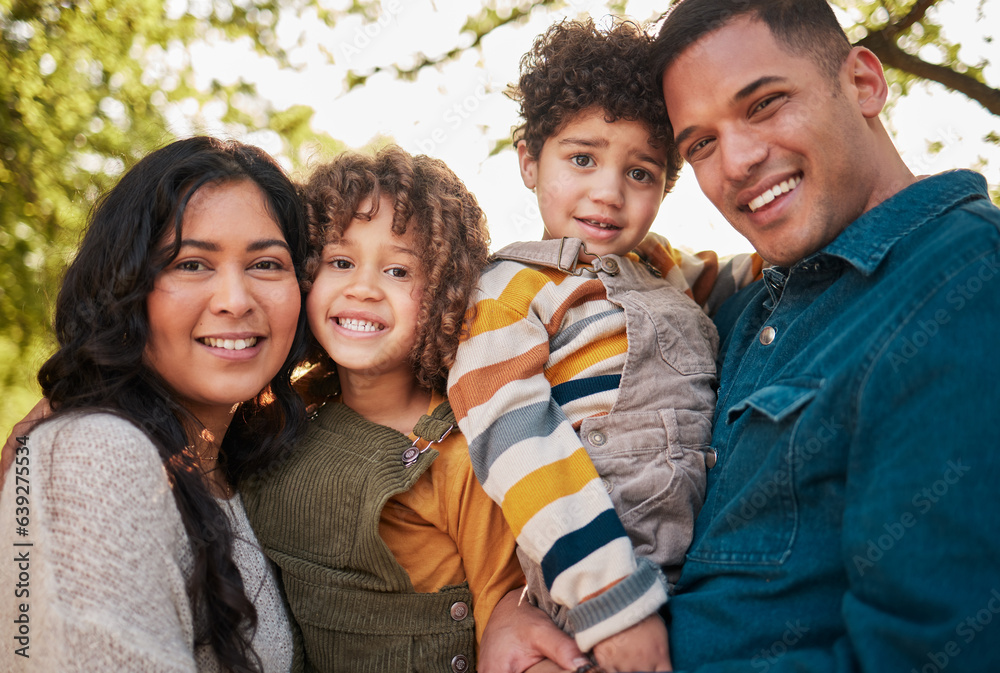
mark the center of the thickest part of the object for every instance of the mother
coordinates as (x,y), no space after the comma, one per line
(180,316)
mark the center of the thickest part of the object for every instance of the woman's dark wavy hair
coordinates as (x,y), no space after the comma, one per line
(102,330)
(449,230)
(575,66)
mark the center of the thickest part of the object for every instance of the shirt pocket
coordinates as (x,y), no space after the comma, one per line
(751,510)
(686,338)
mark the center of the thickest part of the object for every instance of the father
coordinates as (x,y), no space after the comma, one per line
(853,518)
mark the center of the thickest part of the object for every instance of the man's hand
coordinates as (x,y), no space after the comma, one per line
(20,429)
(519,636)
(642,647)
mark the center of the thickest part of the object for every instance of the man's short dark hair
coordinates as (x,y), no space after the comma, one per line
(808,27)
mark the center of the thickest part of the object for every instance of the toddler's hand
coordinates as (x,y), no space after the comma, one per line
(642,647)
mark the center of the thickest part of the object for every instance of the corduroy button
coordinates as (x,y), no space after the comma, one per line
(711,458)
(767,335)
(460,663)
(597,438)
(608,486)
(459,610)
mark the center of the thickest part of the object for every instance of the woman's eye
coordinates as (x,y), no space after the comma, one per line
(190,265)
(582,160)
(269,265)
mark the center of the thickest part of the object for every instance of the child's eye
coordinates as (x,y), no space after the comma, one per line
(340,263)
(398,272)
(640,175)
(582,160)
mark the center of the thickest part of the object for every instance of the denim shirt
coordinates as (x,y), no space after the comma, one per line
(853,519)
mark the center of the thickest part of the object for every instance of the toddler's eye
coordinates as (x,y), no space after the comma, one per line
(639,174)
(582,160)
(397,272)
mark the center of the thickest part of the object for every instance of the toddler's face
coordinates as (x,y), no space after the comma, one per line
(597,181)
(364,302)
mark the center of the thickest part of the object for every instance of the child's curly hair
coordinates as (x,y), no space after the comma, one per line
(449,231)
(574,66)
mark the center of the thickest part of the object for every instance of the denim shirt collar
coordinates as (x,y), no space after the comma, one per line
(867,241)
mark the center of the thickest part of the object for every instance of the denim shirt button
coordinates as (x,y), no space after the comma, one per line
(767,335)
(597,438)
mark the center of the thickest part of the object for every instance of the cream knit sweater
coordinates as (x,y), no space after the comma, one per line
(102,585)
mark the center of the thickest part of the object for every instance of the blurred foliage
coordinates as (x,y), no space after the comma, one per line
(89,86)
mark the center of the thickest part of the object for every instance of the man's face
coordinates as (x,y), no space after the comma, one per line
(780,148)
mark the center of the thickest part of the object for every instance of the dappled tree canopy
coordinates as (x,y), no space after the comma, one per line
(88,86)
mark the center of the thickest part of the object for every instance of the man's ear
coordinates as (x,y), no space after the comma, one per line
(527,164)
(868,81)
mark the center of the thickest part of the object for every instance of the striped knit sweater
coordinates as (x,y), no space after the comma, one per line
(546,350)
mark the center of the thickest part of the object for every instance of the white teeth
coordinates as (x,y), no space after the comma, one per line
(230,344)
(360,325)
(600,225)
(783,188)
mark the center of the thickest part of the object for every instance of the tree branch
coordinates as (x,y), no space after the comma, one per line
(916,13)
(481,31)
(883,44)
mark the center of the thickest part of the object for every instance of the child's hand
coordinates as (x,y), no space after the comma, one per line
(642,647)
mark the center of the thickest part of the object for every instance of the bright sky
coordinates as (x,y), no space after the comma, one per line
(457,112)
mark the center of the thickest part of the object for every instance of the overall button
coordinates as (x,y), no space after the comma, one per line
(460,663)
(597,438)
(610,265)
(608,486)
(459,611)
(767,335)
(711,458)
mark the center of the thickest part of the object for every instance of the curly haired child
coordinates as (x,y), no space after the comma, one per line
(391,555)
(587,385)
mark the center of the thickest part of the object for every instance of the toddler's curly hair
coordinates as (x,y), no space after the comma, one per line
(449,231)
(575,66)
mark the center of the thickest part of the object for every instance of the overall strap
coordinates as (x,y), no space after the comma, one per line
(562,254)
(431,429)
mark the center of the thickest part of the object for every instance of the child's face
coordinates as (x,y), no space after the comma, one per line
(597,181)
(364,302)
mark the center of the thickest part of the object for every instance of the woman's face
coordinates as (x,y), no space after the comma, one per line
(222,314)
